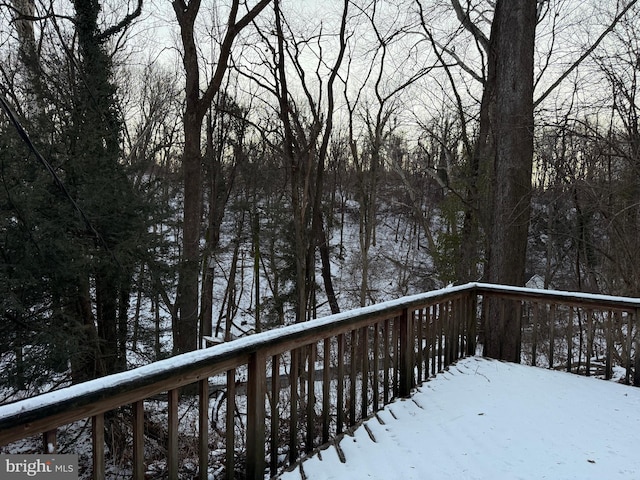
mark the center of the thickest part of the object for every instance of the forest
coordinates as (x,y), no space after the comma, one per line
(178,173)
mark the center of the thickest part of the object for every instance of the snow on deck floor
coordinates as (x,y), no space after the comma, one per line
(484,419)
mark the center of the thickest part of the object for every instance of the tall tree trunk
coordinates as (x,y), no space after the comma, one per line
(511,59)
(185,338)
(186,332)
(102,186)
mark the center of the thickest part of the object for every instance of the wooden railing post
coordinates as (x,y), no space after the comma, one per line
(590,335)
(375,367)
(326,391)
(97,437)
(609,345)
(386,364)
(364,335)
(275,414)
(570,340)
(340,393)
(173,398)
(406,349)
(230,434)
(552,321)
(256,391)
(50,441)
(353,375)
(311,397)
(203,429)
(535,307)
(138,440)
(636,360)
(472,341)
(627,377)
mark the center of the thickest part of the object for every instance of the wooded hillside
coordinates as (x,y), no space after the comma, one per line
(176,171)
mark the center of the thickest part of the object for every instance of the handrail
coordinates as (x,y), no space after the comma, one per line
(567,298)
(181,370)
(380,352)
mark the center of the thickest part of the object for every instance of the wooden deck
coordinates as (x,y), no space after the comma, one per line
(483,419)
(341,370)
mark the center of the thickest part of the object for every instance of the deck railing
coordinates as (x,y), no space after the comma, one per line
(292,389)
(587,334)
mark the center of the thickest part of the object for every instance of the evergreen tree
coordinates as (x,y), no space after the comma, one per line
(71,243)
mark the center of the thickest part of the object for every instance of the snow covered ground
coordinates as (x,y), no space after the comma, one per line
(484,419)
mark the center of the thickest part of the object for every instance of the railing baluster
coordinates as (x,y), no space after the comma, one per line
(326,384)
(581,344)
(462,311)
(375,365)
(353,377)
(340,392)
(203,429)
(311,397)
(636,370)
(534,333)
(97,440)
(275,415)
(589,342)
(453,341)
(364,335)
(293,414)
(446,324)
(426,348)
(138,440)
(396,354)
(570,340)
(434,333)
(172,447)
(406,347)
(609,343)
(552,323)
(230,434)
(448,336)
(386,362)
(452,333)
(419,344)
(256,390)
(413,353)
(461,333)
(455,330)
(464,324)
(50,441)
(440,333)
(473,323)
(627,376)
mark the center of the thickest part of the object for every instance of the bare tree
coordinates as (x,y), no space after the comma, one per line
(378,115)
(196,106)
(300,77)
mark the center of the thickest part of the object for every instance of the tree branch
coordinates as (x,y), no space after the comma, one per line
(233,28)
(588,52)
(125,22)
(466,22)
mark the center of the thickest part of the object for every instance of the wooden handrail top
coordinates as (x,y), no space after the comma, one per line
(576,299)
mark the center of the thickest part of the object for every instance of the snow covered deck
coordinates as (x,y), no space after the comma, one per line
(484,419)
